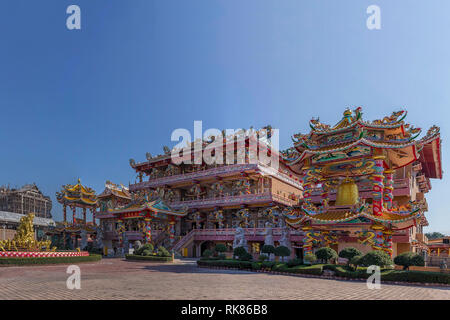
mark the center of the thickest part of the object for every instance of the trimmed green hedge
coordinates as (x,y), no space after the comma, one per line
(416,276)
(340,271)
(307,269)
(148,258)
(49,260)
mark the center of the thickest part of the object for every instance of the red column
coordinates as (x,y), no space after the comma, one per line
(378,187)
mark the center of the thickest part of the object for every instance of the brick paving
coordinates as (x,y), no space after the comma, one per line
(118,279)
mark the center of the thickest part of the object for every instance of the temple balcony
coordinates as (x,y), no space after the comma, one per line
(219,171)
(232,200)
(251,234)
(131,235)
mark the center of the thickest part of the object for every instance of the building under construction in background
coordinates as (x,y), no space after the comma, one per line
(15,203)
(25,200)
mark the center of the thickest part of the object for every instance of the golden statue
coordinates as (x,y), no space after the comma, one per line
(24,238)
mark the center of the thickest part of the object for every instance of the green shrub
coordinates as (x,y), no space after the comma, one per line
(147,246)
(151,257)
(246,257)
(49,260)
(416,276)
(245,264)
(147,253)
(238,251)
(221,256)
(262,257)
(325,254)
(408,259)
(349,253)
(267,264)
(377,258)
(163,252)
(220,248)
(355,261)
(282,267)
(256,265)
(207,253)
(315,269)
(268,249)
(295,262)
(282,251)
(310,257)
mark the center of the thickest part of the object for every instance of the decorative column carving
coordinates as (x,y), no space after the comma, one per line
(307,185)
(387,245)
(65,213)
(147,230)
(120,230)
(172,230)
(325,198)
(73,214)
(378,186)
(388,189)
(307,241)
(84,215)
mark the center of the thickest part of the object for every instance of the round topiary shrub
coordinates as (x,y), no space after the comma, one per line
(268,249)
(349,253)
(325,254)
(355,261)
(282,251)
(246,257)
(239,251)
(207,253)
(407,259)
(377,258)
(220,248)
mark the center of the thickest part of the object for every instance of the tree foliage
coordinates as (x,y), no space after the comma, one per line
(282,251)
(349,253)
(377,258)
(434,235)
(326,253)
(220,247)
(407,259)
(268,249)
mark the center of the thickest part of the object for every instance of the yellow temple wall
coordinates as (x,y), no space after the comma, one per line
(361,247)
(283,189)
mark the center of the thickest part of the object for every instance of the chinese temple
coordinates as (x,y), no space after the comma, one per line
(364,183)
(191,207)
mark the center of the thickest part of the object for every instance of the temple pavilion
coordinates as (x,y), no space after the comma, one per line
(364,183)
(76,196)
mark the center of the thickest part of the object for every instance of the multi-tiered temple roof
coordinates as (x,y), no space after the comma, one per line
(354,137)
(77,195)
(357,154)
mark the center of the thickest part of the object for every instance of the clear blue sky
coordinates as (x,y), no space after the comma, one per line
(81,103)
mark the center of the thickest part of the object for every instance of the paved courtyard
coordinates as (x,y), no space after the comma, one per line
(118,279)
